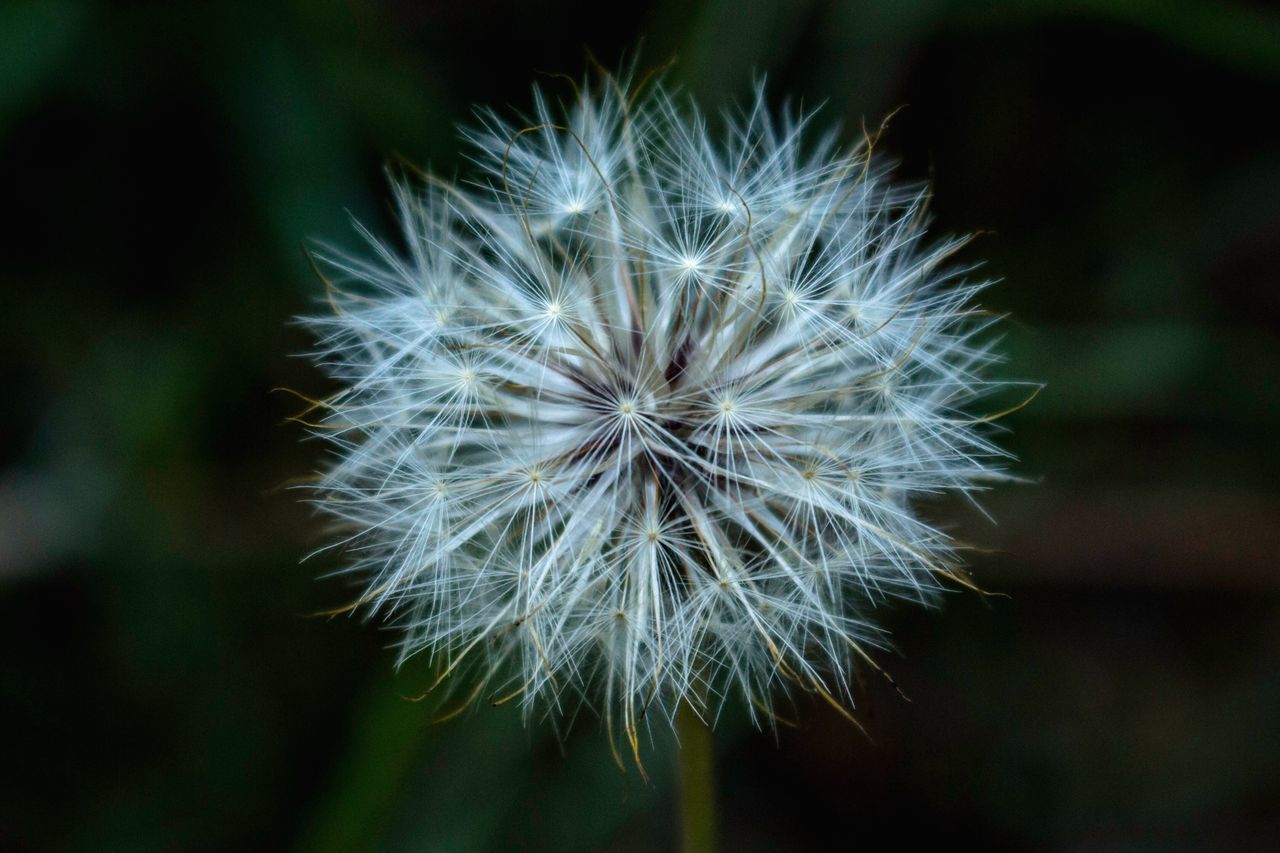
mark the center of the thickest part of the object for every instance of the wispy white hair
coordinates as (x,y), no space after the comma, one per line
(641,415)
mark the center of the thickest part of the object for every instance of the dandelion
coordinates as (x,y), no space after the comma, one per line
(639,418)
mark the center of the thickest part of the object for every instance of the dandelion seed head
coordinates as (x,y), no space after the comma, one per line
(642,414)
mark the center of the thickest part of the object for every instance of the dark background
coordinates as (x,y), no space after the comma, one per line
(161,683)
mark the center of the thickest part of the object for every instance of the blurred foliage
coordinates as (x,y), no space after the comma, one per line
(163,685)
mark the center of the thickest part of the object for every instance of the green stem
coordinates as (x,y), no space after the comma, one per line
(697,783)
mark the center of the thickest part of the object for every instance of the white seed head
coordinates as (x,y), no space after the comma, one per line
(641,415)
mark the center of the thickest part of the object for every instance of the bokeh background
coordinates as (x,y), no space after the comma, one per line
(162,684)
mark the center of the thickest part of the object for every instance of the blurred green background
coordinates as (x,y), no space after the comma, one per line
(161,683)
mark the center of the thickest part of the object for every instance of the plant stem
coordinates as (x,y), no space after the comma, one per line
(697,783)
